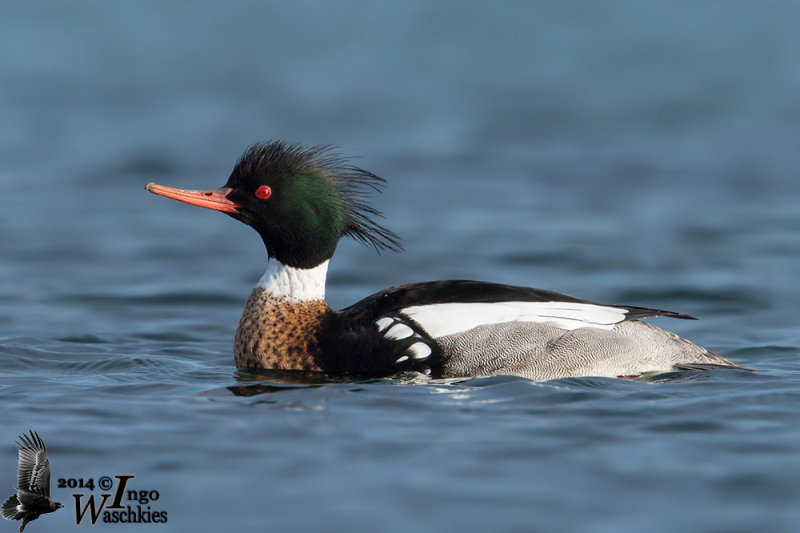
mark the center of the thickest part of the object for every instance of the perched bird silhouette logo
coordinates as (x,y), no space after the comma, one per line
(33,483)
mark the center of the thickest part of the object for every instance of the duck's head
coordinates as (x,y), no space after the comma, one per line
(300,200)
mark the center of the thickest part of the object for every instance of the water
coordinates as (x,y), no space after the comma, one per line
(621,152)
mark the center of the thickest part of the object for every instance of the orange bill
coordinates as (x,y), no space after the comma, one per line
(215,199)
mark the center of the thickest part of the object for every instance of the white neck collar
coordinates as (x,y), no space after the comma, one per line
(294,284)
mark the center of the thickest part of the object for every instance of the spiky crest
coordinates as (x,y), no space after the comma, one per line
(353,184)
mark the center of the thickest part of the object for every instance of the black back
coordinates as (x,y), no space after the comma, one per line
(397,298)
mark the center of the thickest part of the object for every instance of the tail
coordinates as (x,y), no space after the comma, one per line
(9,508)
(709,360)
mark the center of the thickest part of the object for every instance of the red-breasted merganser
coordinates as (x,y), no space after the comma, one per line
(303,200)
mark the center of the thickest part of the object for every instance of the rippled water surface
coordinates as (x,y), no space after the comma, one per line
(620,152)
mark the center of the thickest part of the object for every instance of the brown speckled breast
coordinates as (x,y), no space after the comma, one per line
(280,334)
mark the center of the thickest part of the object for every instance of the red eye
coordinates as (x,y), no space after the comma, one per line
(264,192)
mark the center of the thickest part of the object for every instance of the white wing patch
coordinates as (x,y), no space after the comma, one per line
(399,331)
(384,323)
(393,329)
(419,350)
(439,320)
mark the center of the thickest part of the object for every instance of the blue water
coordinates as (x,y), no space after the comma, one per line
(624,152)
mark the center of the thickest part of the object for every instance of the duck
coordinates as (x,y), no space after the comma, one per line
(303,199)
